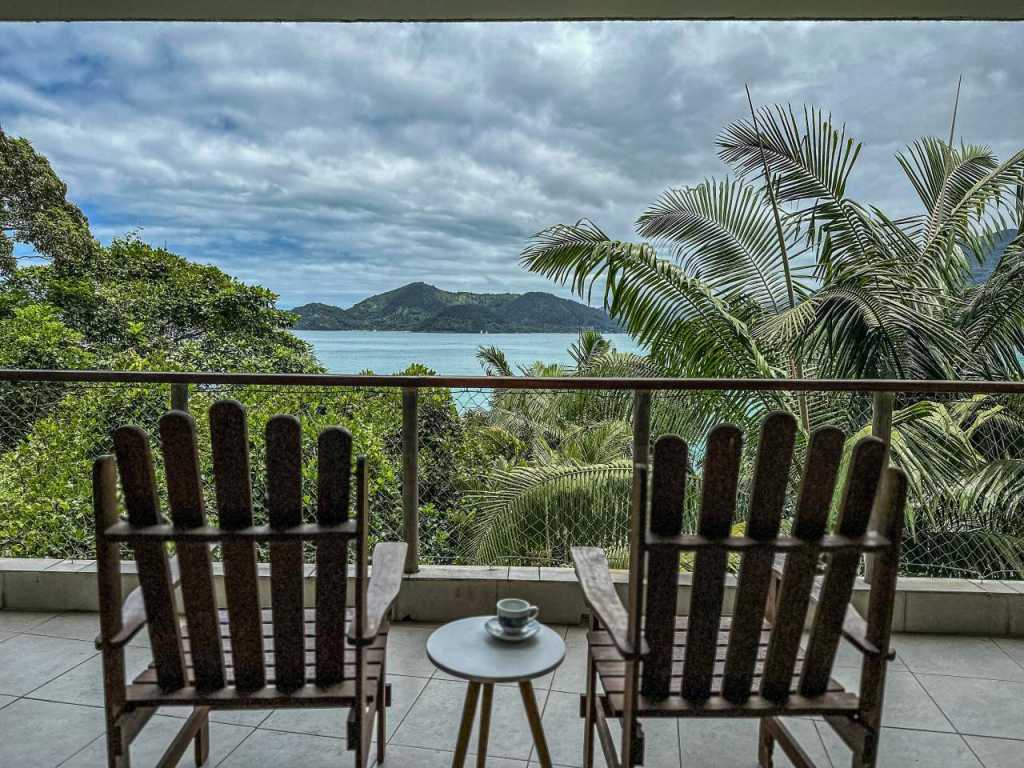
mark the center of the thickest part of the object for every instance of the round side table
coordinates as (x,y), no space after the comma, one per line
(464,649)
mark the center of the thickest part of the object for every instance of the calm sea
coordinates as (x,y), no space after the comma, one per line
(453,354)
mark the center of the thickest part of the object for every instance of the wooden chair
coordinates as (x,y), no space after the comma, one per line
(242,657)
(651,663)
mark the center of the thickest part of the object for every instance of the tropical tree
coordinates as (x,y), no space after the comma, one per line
(34,209)
(562,452)
(780,273)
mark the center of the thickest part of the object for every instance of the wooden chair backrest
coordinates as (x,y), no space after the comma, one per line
(149,535)
(735,655)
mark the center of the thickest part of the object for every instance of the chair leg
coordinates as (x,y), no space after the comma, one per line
(765,744)
(202,744)
(382,709)
(118,749)
(867,756)
(589,722)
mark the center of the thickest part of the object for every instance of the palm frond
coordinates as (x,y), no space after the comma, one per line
(686,326)
(531,514)
(724,233)
(587,349)
(808,160)
(493,361)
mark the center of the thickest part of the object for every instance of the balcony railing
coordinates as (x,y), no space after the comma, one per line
(493,470)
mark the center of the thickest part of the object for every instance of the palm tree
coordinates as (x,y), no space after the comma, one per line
(792,277)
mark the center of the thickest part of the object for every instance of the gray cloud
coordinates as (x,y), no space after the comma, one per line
(331,162)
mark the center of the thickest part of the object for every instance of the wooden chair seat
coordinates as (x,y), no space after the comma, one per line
(611,671)
(145,692)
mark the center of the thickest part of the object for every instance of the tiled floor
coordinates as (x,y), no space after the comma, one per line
(953,702)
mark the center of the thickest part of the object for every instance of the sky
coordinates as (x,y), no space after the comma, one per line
(333,162)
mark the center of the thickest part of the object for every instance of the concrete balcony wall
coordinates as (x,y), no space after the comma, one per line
(441,593)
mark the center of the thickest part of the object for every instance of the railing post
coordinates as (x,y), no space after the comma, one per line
(641,426)
(410,481)
(179,397)
(881,427)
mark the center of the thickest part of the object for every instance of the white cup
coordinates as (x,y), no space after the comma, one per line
(514,614)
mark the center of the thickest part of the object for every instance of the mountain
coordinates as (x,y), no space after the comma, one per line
(423,307)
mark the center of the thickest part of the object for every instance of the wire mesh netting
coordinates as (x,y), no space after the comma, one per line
(518,477)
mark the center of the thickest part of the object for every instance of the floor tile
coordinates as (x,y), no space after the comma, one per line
(80,626)
(407,650)
(907,705)
(413,757)
(41,734)
(29,661)
(276,749)
(910,749)
(433,721)
(997,753)
(331,722)
(954,655)
(250,718)
(155,738)
(1014,646)
(710,743)
(84,684)
(12,622)
(571,676)
(74,626)
(563,727)
(979,707)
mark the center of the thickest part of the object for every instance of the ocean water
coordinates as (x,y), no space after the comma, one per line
(453,354)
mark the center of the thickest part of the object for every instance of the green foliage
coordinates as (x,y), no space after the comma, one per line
(32,336)
(132,296)
(34,208)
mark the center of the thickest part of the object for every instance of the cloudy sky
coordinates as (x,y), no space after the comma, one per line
(331,162)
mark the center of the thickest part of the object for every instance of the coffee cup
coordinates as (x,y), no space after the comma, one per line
(514,614)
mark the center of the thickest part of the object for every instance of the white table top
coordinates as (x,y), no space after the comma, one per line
(464,649)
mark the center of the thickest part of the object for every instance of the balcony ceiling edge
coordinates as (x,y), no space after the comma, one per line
(505,10)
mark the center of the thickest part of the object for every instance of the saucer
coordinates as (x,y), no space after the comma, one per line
(494,629)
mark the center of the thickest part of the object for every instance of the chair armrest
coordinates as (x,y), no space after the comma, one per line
(385,581)
(855,630)
(133,614)
(599,592)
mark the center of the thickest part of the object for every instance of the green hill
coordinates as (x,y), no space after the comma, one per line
(422,307)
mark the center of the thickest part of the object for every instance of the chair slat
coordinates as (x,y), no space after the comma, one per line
(767,497)
(819,481)
(284,505)
(135,464)
(718,503)
(229,438)
(858,499)
(185,498)
(334,470)
(667,498)
(359,609)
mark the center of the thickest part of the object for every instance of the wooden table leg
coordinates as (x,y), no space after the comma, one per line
(466,726)
(485,725)
(536,728)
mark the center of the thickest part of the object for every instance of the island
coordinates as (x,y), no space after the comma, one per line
(423,307)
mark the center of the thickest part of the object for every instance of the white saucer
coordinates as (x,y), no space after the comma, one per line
(494,629)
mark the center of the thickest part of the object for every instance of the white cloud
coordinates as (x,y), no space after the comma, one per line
(330,162)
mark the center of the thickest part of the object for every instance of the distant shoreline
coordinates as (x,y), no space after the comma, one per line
(463,333)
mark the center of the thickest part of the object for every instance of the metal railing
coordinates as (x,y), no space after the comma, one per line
(43,412)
